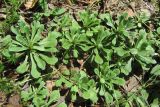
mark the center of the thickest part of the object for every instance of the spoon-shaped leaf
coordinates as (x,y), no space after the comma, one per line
(41,64)
(23,67)
(50,60)
(34,71)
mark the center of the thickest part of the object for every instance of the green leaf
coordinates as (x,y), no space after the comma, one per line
(52,37)
(127,104)
(102,80)
(117,94)
(37,28)
(34,71)
(50,60)
(156,70)
(41,64)
(15,48)
(158,30)
(144,94)
(58,11)
(75,53)
(89,33)
(1,67)
(114,41)
(74,88)
(66,72)
(62,105)
(93,95)
(128,67)
(25,95)
(90,94)
(21,40)
(15,31)
(83,74)
(86,95)
(85,47)
(134,51)
(50,41)
(107,17)
(6,40)
(37,101)
(23,67)
(73,96)
(98,59)
(67,83)
(155,103)
(102,90)
(118,81)
(58,82)
(140,102)
(108,97)
(55,95)
(147,60)
(66,44)
(120,51)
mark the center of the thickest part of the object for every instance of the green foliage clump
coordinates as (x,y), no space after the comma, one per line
(109,48)
(33,47)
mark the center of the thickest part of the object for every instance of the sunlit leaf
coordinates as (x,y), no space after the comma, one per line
(128,67)
(49,59)
(34,71)
(41,64)
(23,67)
(156,70)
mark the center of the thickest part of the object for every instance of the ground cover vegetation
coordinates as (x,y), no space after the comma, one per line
(60,53)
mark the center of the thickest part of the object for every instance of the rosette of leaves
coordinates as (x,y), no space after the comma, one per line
(98,45)
(4,44)
(79,84)
(156,38)
(85,87)
(120,28)
(143,51)
(107,81)
(88,21)
(4,52)
(139,99)
(72,40)
(40,96)
(62,22)
(36,50)
(142,18)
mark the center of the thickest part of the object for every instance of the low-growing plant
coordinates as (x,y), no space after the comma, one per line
(97,45)
(40,96)
(107,80)
(72,40)
(36,49)
(79,84)
(99,52)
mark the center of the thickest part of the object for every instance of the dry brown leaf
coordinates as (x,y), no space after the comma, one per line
(2,16)
(2,98)
(130,12)
(69,2)
(30,4)
(81,62)
(22,18)
(50,84)
(132,84)
(62,68)
(70,104)
(14,101)
(74,68)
